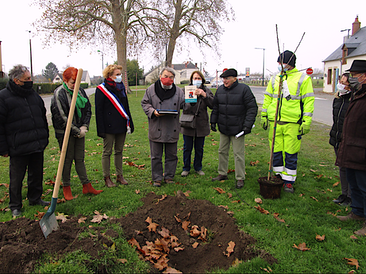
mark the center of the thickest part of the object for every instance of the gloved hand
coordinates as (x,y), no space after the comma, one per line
(304,129)
(264,122)
(213,127)
(83,131)
(247,130)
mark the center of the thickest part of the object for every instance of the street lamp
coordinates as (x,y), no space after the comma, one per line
(30,53)
(263,65)
(102,58)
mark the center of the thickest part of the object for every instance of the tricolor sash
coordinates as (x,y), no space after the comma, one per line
(117,104)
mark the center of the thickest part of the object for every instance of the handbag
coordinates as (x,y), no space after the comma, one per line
(189,120)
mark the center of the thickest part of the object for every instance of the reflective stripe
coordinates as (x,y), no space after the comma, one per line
(293,97)
(301,80)
(288,177)
(291,171)
(269,94)
(273,82)
(278,168)
(264,110)
(308,114)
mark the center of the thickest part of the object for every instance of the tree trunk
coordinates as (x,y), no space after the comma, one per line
(174,32)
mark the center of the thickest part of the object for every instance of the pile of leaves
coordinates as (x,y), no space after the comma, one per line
(176,234)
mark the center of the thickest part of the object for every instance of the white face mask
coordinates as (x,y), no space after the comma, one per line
(341,87)
(284,68)
(197,83)
(118,79)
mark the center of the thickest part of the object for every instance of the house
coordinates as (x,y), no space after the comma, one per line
(353,47)
(182,72)
(85,78)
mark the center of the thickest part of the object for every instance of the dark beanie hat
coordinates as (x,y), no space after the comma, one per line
(287,57)
(229,72)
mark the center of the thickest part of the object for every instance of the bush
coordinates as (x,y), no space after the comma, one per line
(42,88)
(3,83)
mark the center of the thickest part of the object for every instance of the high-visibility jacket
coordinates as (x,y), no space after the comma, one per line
(295,107)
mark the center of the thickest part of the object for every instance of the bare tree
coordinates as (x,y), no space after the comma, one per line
(186,19)
(120,23)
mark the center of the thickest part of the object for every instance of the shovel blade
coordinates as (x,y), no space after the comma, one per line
(48,224)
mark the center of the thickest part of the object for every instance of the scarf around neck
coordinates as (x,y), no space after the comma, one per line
(164,94)
(80,100)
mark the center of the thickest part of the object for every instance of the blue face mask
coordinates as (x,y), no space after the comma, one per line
(284,68)
(118,79)
(197,83)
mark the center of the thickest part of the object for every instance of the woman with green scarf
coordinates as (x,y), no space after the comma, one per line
(60,107)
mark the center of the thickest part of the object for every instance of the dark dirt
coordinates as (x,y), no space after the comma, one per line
(22,242)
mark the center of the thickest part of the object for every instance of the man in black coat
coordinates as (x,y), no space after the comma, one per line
(23,137)
(234,110)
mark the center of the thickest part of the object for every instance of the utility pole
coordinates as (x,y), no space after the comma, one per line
(30,53)
(263,64)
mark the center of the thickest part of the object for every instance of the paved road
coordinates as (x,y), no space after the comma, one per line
(322,105)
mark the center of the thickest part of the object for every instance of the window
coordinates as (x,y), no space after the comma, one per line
(329,80)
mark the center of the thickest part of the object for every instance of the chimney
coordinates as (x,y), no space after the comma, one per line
(1,64)
(356,25)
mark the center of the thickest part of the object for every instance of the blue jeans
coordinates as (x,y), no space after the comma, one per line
(198,143)
(357,182)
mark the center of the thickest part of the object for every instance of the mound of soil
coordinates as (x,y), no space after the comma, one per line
(22,242)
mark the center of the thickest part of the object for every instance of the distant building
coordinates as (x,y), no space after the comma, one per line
(182,72)
(353,47)
(85,78)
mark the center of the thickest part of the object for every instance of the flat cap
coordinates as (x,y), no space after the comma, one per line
(229,72)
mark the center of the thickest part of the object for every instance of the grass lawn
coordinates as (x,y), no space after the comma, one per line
(306,213)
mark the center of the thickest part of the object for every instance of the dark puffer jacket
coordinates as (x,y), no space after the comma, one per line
(60,108)
(234,109)
(352,149)
(340,106)
(23,122)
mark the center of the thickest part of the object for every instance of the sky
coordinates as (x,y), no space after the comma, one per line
(254,27)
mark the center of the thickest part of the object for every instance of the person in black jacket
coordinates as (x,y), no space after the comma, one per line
(234,110)
(23,137)
(340,106)
(113,119)
(60,108)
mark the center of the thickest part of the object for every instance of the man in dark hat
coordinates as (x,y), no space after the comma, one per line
(352,150)
(294,117)
(234,110)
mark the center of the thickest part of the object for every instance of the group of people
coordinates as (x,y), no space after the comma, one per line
(287,111)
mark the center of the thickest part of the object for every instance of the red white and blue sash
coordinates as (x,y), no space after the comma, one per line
(117,104)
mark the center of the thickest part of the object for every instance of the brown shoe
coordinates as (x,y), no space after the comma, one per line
(67,193)
(362,231)
(108,182)
(157,183)
(169,181)
(88,188)
(239,184)
(351,216)
(219,178)
(121,180)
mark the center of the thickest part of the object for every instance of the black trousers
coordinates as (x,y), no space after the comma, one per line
(17,168)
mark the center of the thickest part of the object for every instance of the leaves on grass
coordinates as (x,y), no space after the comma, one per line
(301,247)
(254,163)
(315,199)
(275,215)
(229,249)
(320,238)
(353,237)
(258,200)
(62,217)
(268,269)
(39,215)
(352,261)
(224,207)
(229,195)
(135,165)
(97,218)
(335,184)
(236,262)
(219,190)
(187,193)
(123,261)
(81,220)
(137,191)
(262,210)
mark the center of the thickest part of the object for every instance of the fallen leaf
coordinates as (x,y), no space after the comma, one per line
(229,195)
(353,237)
(148,220)
(97,218)
(165,233)
(319,238)
(133,242)
(162,262)
(269,270)
(219,190)
(39,215)
(122,260)
(178,248)
(177,218)
(82,220)
(187,193)
(185,225)
(152,227)
(137,191)
(278,218)
(258,200)
(301,247)
(315,199)
(224,207)
(301,194)
(352,261)
(195,245)
(262,210)
(312,170)
(171,270)
(194,231)
(335,184)
(62,217)
(254,163)
(229,249)
(236,262)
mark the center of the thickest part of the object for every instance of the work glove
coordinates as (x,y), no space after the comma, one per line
(247,130)
(304,129)
(264,121)
(213,127)
(83,131)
